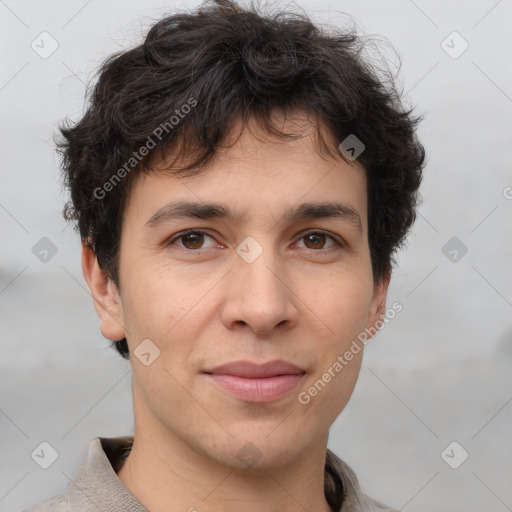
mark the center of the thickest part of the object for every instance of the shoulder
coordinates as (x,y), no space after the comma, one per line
(354,500)
(370,505)
(56,504)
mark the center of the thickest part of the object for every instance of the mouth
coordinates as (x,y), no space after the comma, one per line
(254,382)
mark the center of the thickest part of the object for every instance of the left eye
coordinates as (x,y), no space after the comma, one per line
(318,237)
(193,240)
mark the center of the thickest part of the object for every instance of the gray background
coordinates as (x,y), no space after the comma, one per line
(438,373)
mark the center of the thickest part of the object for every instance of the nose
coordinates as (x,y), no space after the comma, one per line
(259,295)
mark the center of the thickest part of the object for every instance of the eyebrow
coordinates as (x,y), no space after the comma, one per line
(304,211)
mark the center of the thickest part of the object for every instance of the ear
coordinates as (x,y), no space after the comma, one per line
(107,301)
(378,304)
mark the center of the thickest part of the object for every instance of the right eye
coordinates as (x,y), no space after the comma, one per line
(195,238)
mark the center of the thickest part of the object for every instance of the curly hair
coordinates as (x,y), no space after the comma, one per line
(194,74)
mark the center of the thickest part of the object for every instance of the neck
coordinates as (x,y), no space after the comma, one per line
(165,474)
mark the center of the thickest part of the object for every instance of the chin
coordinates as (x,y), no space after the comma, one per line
(259,451)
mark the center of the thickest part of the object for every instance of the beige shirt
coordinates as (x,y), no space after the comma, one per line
(96,487)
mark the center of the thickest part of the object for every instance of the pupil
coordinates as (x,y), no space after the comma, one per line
(313,237)
(193,236)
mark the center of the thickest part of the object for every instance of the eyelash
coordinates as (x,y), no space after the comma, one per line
(183,234)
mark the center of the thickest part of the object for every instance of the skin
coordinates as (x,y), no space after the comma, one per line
(302,300)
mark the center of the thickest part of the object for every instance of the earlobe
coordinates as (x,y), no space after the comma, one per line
(105,296)
(378,306)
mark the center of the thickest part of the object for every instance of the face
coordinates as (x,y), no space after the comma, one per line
(258,286)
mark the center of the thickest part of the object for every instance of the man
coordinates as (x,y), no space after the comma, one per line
(240,184)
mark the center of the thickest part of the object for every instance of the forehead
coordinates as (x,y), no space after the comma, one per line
(254,170)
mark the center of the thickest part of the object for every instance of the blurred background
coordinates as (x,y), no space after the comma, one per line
(429,425)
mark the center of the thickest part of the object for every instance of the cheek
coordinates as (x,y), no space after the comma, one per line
(152,301)
(330,387)
(344,309)
(167,310)
(343,304)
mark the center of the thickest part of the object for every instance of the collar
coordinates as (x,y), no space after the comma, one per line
(97,487)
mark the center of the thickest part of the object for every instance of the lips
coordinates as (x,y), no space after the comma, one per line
(254,382)
(250,370)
